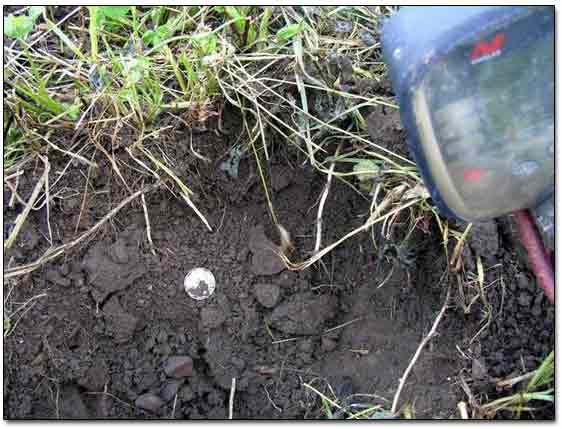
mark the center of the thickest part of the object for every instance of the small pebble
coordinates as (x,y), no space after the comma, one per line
(267,294)
(149,402)
(179,366)
(170,389)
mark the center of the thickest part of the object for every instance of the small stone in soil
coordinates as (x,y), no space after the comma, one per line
(95,377)
(149,402)
(170,389)
(304,314)
(179,366)
(120,325)
(265,260)
(267,294)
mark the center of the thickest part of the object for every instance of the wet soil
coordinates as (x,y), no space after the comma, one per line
(114,334)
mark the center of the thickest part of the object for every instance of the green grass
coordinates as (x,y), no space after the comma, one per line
(129,66)
(537,392)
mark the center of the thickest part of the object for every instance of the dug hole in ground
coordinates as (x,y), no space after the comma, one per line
(114,316)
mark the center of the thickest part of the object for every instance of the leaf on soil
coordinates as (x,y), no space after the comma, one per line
(289,31)
(18,26)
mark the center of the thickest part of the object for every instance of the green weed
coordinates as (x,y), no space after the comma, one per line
(536,391)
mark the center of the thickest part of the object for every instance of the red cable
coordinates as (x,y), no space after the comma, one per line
(540,261)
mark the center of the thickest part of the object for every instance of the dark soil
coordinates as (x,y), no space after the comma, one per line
(116,336)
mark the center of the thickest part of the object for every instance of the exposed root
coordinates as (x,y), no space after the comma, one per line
(322,202)
(231,399)
(146,218)
(23,215)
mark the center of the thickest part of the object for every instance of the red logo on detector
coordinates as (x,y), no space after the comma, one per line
(472,174)
(484,47)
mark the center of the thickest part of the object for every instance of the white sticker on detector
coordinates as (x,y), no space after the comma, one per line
(199,283)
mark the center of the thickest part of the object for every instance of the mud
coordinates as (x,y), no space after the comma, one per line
(116,336)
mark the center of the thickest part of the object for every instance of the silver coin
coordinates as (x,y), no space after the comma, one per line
(199,283)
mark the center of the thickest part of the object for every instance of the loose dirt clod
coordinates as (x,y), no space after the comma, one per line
(304,314)
(120,324)
(95,377)
(265,260)
(267,294)
(114,268)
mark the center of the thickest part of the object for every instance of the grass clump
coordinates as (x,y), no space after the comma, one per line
(537,392)
(129,67)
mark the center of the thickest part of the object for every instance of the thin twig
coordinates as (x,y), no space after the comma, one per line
(23,215)
(343,325)
(113,397)
(231,399)
(271,400)
(48,200)
(323,201)
(174,406)
(195,153)
(147,220)
(15,195)
(67,152)
(419,350)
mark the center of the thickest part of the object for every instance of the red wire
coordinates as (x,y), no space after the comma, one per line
(540,261)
